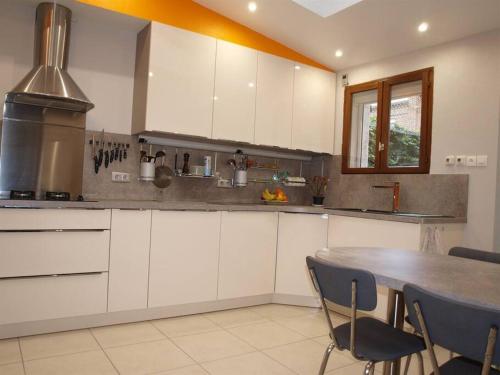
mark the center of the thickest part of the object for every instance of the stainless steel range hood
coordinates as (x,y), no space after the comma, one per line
(48,84)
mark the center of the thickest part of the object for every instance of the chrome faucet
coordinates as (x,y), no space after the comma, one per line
(395,193)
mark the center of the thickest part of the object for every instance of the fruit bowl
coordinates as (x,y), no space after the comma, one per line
(274,201)
(277,197)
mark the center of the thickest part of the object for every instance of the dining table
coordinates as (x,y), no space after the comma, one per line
(460,279)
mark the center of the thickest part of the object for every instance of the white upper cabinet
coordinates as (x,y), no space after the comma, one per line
(235,88)
(274,104)
(178,68)
(313,110)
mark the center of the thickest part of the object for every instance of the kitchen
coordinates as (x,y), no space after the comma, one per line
(244,132)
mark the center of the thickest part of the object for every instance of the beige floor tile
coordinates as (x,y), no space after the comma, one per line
(126,334)
(87,363)
(12,369)
(212,346)
(148,357)
(312,325)
(185,325)
(9,351)
(247,364)
(235,317)
(189,370)
(305,357)
(275,311)
(266,335)
(60,343)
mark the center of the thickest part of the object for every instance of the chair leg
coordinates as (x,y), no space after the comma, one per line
(420,363)
(407,364)
(328,351)
(369,368)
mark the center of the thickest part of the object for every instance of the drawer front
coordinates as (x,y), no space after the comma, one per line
(40,219)
(48,253)
(40,298)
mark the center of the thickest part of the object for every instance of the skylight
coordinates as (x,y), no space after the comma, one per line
(326,8)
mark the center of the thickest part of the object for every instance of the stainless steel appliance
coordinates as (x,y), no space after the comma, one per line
(43,130)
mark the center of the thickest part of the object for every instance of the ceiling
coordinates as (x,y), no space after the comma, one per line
(367,31)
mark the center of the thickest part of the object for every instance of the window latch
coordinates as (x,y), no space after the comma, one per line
(381,146)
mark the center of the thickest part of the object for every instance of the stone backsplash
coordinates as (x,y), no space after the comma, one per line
(99,186)
(434,193)
(445,194)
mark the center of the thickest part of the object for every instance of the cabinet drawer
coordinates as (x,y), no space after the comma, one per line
(40,219)
(50,297)
(48,253)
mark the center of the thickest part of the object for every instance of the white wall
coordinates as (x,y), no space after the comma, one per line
(465,116)
(102,59)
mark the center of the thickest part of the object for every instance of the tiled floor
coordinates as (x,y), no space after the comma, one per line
(262,340)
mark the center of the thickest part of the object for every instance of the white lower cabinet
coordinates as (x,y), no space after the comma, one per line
(355,231)
(129,260)
(52,297)
(247,254)
(299,236)
(184,257)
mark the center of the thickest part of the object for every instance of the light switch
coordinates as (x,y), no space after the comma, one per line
(450,160)
(471,161)
(482,160)
(461,159)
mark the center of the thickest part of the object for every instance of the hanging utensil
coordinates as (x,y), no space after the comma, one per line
(111,152)
(106,155)
(163,174)
(125,151)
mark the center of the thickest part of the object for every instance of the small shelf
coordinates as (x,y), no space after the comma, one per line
(277,168)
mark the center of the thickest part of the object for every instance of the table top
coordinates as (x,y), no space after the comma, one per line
(462,279)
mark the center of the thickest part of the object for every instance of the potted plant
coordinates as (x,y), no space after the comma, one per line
(318,188)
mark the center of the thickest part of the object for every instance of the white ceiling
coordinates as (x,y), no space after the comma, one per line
(367,31)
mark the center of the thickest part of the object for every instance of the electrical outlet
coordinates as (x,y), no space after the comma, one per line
(461,159)
(482,160)
(450,160)
(471,161)
(224,183)
(120,177)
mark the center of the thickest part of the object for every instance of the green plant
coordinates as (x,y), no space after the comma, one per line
(404,146)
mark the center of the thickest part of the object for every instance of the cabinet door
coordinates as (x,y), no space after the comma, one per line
(180,81)
(234,100)
(184,257)
(247,254)
(355,231)
(313,110)
(274,103)
(129,260)
(299,235)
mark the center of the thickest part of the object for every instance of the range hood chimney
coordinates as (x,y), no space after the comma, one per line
(48,84)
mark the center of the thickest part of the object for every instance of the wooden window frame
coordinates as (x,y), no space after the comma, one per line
(383,87)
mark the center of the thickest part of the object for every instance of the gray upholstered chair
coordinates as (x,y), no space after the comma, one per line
(367,339)
(483,256)
(469,330)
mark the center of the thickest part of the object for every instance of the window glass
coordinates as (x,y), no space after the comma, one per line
(364,130)
(405,125)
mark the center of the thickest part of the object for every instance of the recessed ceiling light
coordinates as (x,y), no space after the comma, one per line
(252,6)
(297,67)
(423,27)
(339,53)
(251,84)
(151,74)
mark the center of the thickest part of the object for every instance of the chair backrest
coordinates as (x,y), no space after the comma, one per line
(459,327)
(335,283)
(484,256)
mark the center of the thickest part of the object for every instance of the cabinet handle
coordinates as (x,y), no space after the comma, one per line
(50,230)
(53,275)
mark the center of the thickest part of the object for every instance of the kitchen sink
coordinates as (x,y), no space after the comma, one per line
(382,212)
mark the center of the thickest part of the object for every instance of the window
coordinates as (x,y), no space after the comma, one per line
(387,125)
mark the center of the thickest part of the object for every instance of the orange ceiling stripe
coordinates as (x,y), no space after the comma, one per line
(187,14)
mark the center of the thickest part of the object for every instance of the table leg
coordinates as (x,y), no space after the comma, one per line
(395,317)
